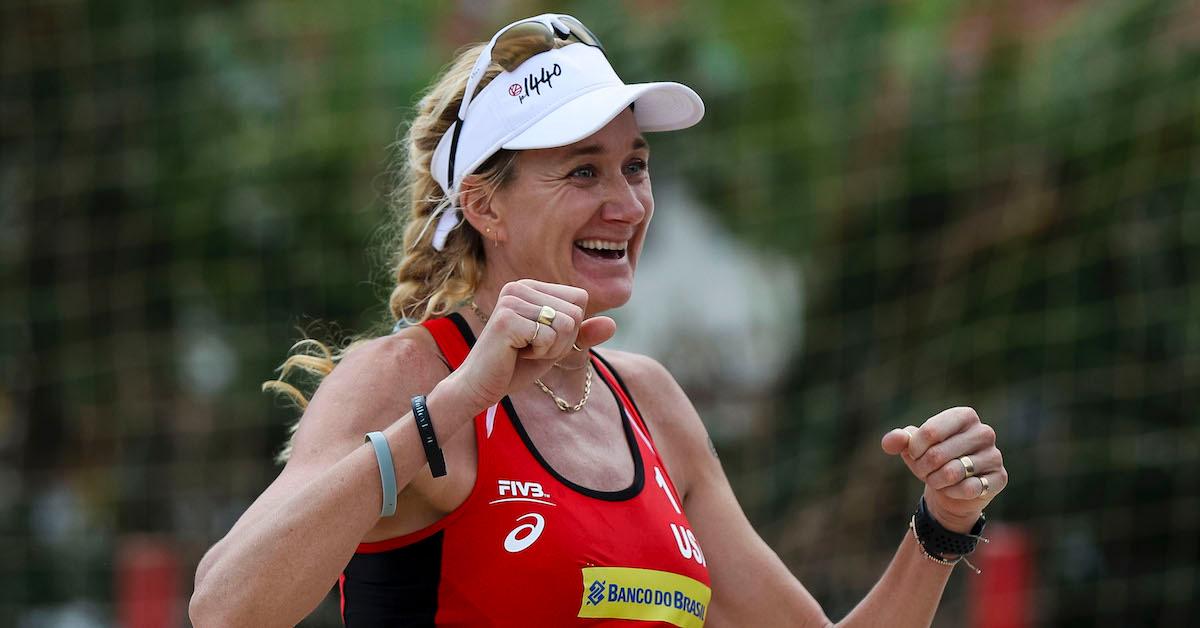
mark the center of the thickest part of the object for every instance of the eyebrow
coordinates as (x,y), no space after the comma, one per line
(639,142)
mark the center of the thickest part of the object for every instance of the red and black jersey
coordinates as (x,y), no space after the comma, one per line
(531,548)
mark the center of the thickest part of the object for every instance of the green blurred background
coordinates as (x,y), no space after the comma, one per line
(994,204)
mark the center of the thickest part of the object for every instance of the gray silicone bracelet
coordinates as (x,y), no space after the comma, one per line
(387,473)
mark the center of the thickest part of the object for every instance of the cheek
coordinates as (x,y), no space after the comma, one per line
(647,198)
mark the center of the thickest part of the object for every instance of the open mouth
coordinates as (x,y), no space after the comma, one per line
(603,249)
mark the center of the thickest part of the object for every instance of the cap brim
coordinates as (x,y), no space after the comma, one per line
(657,107)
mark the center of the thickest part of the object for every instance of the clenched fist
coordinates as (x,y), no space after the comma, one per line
(956,489)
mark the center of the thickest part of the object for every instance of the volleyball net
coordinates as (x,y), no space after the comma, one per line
(926,205)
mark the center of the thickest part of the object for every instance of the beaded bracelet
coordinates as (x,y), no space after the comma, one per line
(935,541)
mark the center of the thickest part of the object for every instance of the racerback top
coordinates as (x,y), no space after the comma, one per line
(529,547)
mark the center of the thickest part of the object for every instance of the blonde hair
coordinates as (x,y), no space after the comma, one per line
(428,283)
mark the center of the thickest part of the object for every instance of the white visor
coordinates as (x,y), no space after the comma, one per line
(556,98)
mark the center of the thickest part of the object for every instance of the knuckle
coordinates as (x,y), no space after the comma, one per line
(580,297)
(934,457)
(969,413)
(928,432)
(948,476)
(507,301)
(511,320)
(989,432)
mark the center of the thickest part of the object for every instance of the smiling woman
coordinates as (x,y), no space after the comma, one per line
(527,197)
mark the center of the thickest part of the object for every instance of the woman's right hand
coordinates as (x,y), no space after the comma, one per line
(507,356)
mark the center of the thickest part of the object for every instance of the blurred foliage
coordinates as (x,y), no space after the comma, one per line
(995,204)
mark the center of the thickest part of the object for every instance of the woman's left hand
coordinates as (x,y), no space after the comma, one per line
(934,452)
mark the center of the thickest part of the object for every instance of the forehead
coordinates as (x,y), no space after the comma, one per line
(619,137)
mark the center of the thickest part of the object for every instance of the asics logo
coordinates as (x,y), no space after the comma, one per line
(525,534)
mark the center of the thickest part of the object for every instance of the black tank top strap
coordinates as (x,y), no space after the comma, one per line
(605,369)
(453,336)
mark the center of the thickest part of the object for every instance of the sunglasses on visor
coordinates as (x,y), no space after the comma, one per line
(512,46)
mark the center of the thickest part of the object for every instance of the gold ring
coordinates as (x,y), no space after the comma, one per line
(576,347)
(537,327)
(984,482)
(546,316)
(968,466)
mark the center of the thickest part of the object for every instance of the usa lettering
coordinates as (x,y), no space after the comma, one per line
(533,82)
(517,488)
(686,542)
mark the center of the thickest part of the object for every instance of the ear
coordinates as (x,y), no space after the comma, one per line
(479,209)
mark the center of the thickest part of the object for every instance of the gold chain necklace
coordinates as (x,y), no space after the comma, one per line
(562,404)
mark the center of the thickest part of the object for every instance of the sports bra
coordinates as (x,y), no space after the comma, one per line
(530,547)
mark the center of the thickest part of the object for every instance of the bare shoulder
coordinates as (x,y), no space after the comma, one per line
(368,390)
(674,423)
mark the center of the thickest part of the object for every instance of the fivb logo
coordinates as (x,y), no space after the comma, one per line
(517,488)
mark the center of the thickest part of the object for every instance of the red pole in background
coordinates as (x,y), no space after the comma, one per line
(147,581)
(1001,597)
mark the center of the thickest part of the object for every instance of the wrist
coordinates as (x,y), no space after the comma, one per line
(940,544)
(958,523)
(452,401)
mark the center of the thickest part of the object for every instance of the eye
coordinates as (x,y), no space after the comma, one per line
(636,166)
(584,172)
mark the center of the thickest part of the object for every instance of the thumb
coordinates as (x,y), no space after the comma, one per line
(895,441)
(595,330)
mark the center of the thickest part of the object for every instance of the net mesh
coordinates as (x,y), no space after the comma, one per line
(992,205)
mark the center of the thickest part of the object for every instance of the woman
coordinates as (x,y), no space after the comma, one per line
(537,481)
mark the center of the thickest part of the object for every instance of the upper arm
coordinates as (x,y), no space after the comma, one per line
(368,390)
(751,585)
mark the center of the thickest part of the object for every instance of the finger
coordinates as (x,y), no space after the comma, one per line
(955,471)
(541,342)
(529,337)
(894,442)
(975,437)
(971,488)
(594,331)
(904,455)
(939,427)
(570,294)
(566,318)
(528,302)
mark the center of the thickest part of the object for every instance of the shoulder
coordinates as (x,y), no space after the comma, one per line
(650,383)
(411,351)
(673,421)
(370,388)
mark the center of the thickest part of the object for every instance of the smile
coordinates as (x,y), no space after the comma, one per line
(603,248)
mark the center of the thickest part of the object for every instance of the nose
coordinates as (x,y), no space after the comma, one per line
(623,203)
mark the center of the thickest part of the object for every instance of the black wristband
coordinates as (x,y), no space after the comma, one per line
(433,453)
(939,541)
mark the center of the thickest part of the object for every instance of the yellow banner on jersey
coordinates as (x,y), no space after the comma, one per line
(645,594)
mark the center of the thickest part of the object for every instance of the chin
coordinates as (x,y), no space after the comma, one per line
(608,296)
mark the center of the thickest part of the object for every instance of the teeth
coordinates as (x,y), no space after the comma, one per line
(602,245)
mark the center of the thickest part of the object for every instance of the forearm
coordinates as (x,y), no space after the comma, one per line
(274,569)
(908,593)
